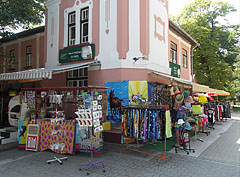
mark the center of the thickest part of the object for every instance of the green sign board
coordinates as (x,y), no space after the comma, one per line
(77,53)
(175,69)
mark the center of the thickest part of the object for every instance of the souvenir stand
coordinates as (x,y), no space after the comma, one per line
(89,121)
(55,112)
(147,123)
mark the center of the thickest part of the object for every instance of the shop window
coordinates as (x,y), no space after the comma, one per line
(71,28)
(29,56)
(77,78)
(184,54)
(84,25)
(83,72)
(173,53)
(12,59)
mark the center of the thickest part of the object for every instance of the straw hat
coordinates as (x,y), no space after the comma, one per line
(189,99)
(179,98)
(176,93)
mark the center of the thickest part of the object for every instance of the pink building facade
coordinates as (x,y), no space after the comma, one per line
(91,42)
(120,31)
(94,42)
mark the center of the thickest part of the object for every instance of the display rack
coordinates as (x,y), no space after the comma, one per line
(75,94)
(89,120)
(131,140)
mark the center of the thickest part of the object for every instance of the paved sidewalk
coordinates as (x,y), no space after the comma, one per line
(225,149)
(128,164)
(199,146)
(218,158)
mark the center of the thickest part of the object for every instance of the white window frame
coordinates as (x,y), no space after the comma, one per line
(173,52)
(81,77)
(84,21)
(71,25)
(184,56)
(12,59)
(29,56)
(80,83)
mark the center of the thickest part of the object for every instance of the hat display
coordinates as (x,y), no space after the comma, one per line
(179,98)
(180,122)
(181,110)
(190,120)
(187,126)
(176,93)
(187,106)
(189,99)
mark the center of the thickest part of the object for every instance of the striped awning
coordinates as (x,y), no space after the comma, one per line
(41,73)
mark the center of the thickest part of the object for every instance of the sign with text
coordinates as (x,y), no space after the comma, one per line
(77,53)
(32,137)
(175,69)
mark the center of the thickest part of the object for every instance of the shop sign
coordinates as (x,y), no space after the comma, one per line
(77,53)
(32,137)
(175,69)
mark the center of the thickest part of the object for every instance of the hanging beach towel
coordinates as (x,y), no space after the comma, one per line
(168,124)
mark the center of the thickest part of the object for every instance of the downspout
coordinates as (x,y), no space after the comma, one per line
(192,58)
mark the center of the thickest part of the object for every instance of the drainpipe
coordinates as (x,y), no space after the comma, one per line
(192,57)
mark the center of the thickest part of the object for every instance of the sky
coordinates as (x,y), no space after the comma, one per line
(175,7)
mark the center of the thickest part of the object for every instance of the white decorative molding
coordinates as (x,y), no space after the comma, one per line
(134,30)
(52,2)
(78,5)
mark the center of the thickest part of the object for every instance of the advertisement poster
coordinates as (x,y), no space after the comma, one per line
(117,99)
(138,92)
(22,131)
(32,137)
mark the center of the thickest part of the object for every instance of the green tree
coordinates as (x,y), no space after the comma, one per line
(234,87)
(20,13)
(219,43)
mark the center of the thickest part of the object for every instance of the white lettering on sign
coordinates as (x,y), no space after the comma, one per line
(32,142)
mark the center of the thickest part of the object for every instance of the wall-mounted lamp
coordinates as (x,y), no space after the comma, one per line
(137,58)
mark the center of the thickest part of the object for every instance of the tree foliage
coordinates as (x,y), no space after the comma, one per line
(219,47)
(234,87)
(20,13)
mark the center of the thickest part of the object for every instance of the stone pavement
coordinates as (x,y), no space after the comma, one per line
(225,149)
(220,158)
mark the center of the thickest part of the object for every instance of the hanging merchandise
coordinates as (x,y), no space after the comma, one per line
(202,99)
(142,123)
(168,125)
(29,98)
(196,109)
(146,123)
(159,94)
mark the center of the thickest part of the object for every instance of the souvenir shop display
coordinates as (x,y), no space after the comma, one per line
(147,123)
(55,115)
(160,95)
(60,137)
(89,123)
(185,138)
